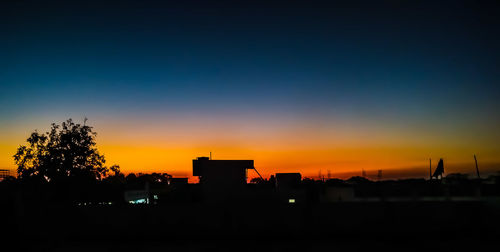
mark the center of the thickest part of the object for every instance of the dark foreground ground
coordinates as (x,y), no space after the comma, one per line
(354,226)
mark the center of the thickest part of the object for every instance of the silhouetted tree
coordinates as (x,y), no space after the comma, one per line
(131,177)
(115,169)
(66,151)
(358,180)
(116,177)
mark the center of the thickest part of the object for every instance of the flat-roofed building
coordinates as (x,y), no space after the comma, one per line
(288,187)
(221,177)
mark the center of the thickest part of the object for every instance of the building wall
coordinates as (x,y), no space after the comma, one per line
(221,178)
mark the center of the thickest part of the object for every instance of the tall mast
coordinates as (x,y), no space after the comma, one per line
(430,169)
(477,168)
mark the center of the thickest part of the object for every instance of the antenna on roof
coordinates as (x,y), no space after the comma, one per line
(430,169)
(210,155)
(477,168)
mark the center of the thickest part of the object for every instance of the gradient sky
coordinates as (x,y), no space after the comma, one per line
(334,87)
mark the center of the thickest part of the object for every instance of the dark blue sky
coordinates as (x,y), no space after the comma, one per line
(348,85)
(355,58)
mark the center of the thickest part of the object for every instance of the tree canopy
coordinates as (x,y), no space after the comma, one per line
(66,151)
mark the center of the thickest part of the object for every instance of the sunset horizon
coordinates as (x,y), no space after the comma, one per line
(200,125)
(303,87)
(166,153)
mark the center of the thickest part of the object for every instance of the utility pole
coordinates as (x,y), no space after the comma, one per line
(477,168)
(430,169)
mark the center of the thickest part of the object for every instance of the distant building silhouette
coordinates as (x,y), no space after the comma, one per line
(288,187)
(138,196)
(221,179)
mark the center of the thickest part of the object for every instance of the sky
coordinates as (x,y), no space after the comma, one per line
(311,87)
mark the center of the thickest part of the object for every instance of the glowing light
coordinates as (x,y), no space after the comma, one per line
(138,201)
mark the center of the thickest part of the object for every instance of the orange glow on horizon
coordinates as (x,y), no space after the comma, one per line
(309,148)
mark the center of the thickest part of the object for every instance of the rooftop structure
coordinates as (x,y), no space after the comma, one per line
(221,171)
(221,177)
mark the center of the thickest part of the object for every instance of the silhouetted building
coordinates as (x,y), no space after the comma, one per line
(221,178)
(138,196)
(289,189)
(287,180)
